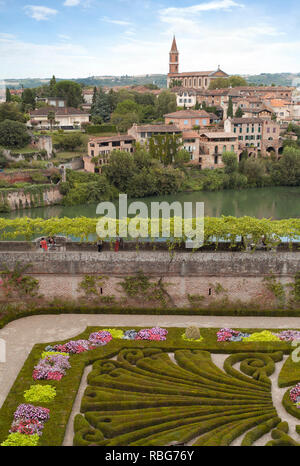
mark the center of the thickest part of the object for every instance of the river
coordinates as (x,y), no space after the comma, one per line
(274,202)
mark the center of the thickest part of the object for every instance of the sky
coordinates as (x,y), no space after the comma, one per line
(81,38)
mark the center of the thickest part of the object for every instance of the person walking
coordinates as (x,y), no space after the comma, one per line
(117,244)
(43,245)
(99,245)
(51,242)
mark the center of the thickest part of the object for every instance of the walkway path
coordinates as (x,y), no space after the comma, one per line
(22,334)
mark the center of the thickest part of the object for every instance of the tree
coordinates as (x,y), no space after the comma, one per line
(52,87)
(101,107)
(51,118)
(70,141)
(165,103)
(230,108)
(8,95)
(11,111)
(239,113)
(95,94)
(124,121)
(13,134)
(286,171)
(175,83)
(181,157)
(69,91)
(231,163)
(225,83)
(28,99)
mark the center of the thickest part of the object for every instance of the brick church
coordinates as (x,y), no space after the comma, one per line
(190,80)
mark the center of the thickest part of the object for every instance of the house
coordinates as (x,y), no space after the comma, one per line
(101,148)
(258,134)
(65,118)
(188,119)
(142,133)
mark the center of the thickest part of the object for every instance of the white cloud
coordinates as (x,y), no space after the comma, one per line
(119,22)
(201,7)
(71,2)
(40,13)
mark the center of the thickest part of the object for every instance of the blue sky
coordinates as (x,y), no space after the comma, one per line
(80,38)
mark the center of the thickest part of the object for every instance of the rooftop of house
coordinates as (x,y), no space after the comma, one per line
(218,135)
(156,128)
(188,114)
(119,137)
(278,103)
(59,111)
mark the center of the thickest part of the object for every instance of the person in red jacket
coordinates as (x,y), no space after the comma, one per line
(117,244)
(43,244)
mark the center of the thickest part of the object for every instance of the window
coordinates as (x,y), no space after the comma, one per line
(92,153)
(232,148)
(224,148)
(268,130)
(241,129)
(197,122)
(204,122)
(186,122)
(216,160)
(143,135)
(274,130)
(241,138)
(200,82)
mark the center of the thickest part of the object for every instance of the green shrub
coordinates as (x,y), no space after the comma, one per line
(21,440)
(40,393)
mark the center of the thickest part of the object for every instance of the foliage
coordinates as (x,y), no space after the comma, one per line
(13,134)
(277,289)
(224,83)
(230,107)
(15,283)
(40,394)
(94,129)
(192,333)
(91,285)
(11,111)
(165,147)
(69,91)
(70,141)
(165,103)
(21,440)
(141,288)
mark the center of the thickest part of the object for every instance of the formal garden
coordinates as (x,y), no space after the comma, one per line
(158,386)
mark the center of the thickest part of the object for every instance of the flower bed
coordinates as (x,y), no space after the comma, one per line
(228,334)
(295,395)
(28,420)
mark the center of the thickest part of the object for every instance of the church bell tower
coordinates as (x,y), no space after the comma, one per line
(174,58)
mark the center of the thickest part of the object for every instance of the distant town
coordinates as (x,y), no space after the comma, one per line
(196,124)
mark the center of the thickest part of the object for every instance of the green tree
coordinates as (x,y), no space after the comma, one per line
(69,91)
(70,141)
(28,99)
(11,111)
(13,134)
(239,113)
(286,171)
(52,87)
(165,103)
(230,108)
(101,107)
(8,95)
(51,118)
(230,161)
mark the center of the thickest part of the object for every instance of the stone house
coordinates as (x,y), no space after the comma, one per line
(188,119)
(103,147)
(65,118)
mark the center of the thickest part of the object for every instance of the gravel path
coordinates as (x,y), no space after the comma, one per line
(22,334)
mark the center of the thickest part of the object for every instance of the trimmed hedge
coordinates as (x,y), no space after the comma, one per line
(94,129)
(10,313)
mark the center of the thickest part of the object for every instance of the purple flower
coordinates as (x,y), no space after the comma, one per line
(26,411)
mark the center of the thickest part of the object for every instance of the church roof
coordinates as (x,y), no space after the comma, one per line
(174,46)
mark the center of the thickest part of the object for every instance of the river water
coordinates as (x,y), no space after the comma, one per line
(274,202)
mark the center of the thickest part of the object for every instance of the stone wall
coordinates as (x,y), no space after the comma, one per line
(22,199)
(240,274)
